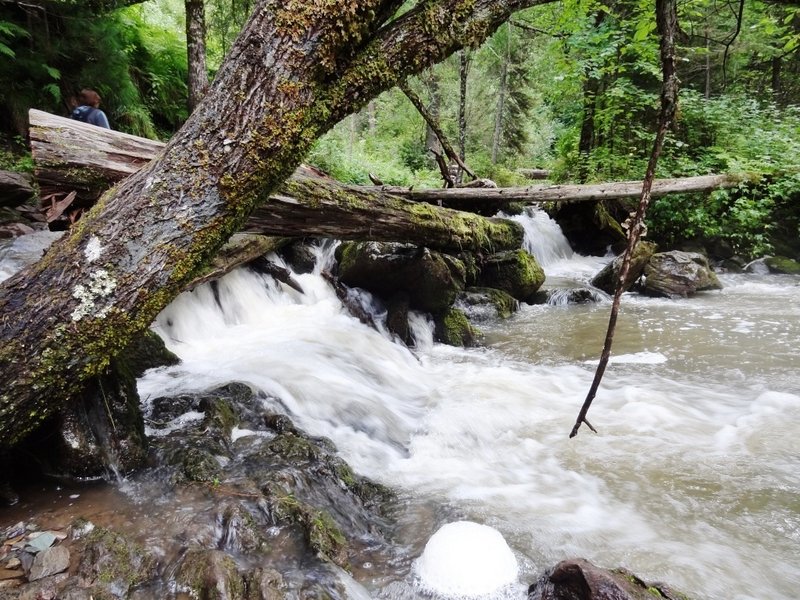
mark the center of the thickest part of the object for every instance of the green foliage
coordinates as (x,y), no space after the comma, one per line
(732,134)
(138,68)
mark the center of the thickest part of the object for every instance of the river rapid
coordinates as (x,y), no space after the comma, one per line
(693,478)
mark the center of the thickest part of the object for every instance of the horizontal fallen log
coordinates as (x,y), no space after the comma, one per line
(306,205)
(455,197)
(535,173)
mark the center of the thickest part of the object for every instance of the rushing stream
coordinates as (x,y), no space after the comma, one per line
(694,478)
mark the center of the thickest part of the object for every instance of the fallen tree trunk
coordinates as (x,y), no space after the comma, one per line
(293,73)
(498,197)
(305,205)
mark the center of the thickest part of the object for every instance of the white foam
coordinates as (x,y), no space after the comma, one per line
(466,560)
(636,358)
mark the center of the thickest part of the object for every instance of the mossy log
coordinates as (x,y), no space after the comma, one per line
(291,75)
(305,205)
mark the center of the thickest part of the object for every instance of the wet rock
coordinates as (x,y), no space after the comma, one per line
(397,308)
(484,304)
(515,272)
(758,267)
(563,297)
(111,561)
(679,274)
(239,529)
(211,574)
(300,255)
(578,579)
(147,351)
(453,328)
(608,276)
(783,265)
(431,279)
(265,584)
(49,562)
(200,465)
(321,531)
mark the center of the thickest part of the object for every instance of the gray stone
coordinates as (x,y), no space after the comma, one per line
(41,541)
(49,562)
(679,274)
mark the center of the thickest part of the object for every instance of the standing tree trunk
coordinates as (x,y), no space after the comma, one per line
(292,74)
(463,72)
(196,51)
(501,100)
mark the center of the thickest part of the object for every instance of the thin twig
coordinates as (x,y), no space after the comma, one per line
(667,20)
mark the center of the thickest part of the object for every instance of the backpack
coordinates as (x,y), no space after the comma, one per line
(82,113)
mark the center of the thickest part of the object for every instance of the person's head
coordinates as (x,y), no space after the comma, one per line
(89,98)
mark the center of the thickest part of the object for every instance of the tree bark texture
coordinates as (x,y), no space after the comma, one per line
(196,51)
(292,74)
(304,205)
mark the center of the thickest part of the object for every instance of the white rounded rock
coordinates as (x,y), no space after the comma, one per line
(466,560)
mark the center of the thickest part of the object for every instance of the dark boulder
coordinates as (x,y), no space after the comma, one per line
(483,304)
(431,279)
(679,274)
(578,579)
(608,276)
(300,255)
(592,228)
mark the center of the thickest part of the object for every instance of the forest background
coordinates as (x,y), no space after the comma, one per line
(571,87)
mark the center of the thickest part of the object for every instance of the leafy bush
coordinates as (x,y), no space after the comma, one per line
(738,135)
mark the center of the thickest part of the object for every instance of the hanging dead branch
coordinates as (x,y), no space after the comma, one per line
(667,20)
(437,130)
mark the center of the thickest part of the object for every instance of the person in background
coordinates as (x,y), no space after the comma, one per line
(88,111)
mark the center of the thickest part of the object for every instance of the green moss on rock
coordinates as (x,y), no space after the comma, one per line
(782,264)
(453,328)
(515,272)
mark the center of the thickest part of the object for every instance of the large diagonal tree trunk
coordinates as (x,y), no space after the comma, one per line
(294,72)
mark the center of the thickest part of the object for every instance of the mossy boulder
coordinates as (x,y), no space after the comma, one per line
(608,276)
(483,304)
(112,561)
(678,274)
(782,264)
(453,328)
(431,279)
(515,272)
